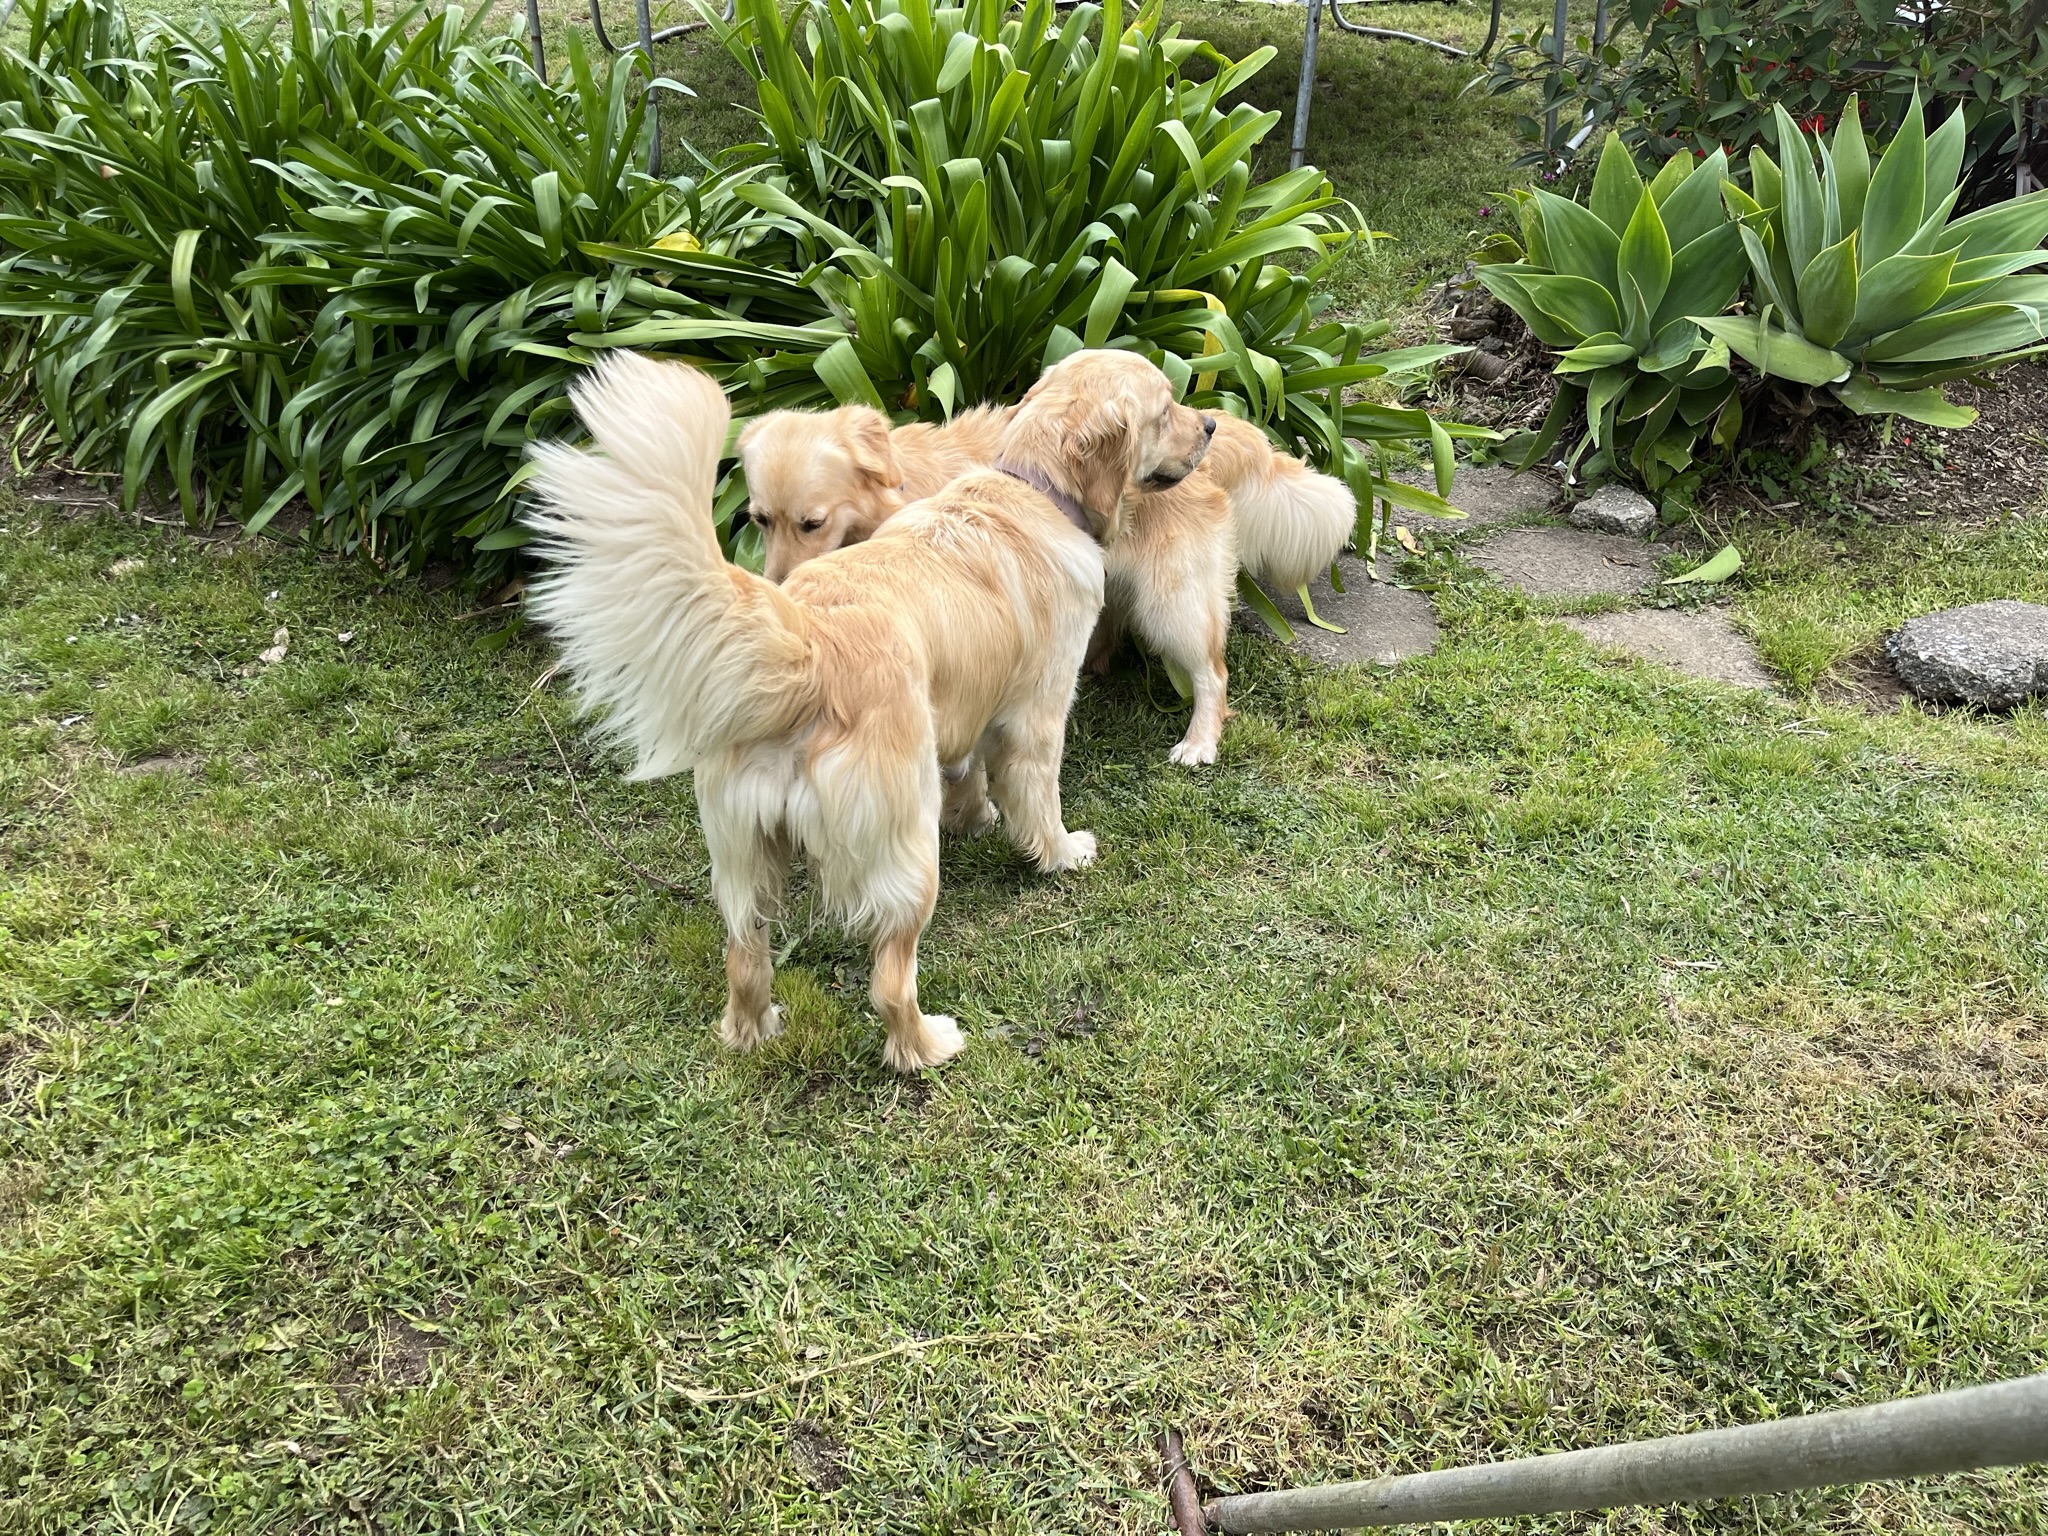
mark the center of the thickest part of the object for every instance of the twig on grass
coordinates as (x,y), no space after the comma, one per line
(488,608)
(907,1347)
(576,793)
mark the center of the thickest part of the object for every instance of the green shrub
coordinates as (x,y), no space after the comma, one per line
(1709,74)
(986,189)
(358,262)
(1615,287)
(1865,285)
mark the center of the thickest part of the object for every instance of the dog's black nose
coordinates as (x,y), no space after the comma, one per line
(1208,426)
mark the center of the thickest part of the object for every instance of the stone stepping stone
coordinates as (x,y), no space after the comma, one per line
(1383,624)
(1487,494)
(1699,642)
(1993,654)
(1566,562)
(1616,509)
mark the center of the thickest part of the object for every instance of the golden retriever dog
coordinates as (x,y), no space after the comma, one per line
(819,481)
(815,714)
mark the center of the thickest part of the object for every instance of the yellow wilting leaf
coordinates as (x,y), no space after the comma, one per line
(681,240)
(1406,539)
(1211,343)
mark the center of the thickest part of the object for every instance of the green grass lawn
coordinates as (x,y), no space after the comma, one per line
(1517,1051)
(1520,1050)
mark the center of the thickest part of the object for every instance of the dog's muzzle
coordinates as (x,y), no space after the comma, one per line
(1165,479)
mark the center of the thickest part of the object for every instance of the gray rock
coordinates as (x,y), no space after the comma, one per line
(1383,624)
(1616,509)
(1700,642)
(1994,654)
(1563,562)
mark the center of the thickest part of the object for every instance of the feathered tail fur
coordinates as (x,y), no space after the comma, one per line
(1291,520)
(679,652)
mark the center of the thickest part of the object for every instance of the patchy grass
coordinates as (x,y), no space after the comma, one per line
(1517,1051)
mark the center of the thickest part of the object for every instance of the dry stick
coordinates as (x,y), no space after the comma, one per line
(1182,1501)
(907,1347)
(486,610)
(577,794)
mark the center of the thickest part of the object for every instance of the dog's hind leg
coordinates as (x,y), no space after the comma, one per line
(966,809)
(1108,636)
(916,1039)
(751,1019)
(899,888)
(748,870)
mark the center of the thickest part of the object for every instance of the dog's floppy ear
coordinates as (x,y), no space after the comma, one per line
(870,444)
(1101,438)
(752,431)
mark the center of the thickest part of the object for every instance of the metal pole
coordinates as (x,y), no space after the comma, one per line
(1557,31)
(1492,32)
(1994,1426)
(533,43)
(1337,15)
(1308,83)
(653,98)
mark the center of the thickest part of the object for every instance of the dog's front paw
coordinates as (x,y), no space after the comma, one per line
(937,1042)
(1190,753)
(1075,850)
(743,1032)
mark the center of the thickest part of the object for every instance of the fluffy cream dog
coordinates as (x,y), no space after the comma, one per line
(815,714)
(820,481)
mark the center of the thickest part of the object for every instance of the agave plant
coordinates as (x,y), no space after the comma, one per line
(1613,287)
(986,188)
(1867,286)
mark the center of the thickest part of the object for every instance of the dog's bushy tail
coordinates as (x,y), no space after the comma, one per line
(1291,520)
(679,652)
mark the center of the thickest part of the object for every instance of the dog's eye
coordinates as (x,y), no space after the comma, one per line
(812,524)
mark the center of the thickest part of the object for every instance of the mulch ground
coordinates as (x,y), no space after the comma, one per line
(1884,472)
(1996,466)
